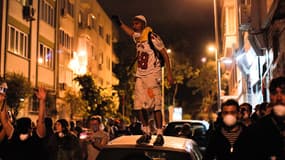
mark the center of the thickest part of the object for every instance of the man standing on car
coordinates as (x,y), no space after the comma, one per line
(227,141)
(147,95)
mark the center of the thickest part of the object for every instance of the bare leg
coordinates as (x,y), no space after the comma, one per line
(158,119)
(143,117)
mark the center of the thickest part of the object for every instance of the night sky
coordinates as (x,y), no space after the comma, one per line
(186,26)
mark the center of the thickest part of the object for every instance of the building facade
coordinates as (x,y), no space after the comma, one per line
(252,34)
(51,42)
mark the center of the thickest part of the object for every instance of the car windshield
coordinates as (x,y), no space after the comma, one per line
(173,128)
(141,154)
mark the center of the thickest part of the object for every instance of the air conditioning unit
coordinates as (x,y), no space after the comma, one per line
(28,13)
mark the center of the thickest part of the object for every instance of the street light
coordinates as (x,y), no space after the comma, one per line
(225,60)
(203,59)
(213,49)
(216,49)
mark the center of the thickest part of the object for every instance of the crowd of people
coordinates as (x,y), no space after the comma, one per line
(240,134)
(237,133)
(55,140)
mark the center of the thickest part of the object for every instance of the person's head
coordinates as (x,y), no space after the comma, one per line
(245,110)
(3,90)
(230,112)
(95,123)
(139,23)
(186,127)
(61,126)
(277,96)
(262,109)
(269,108)
(24,125)
(24,128)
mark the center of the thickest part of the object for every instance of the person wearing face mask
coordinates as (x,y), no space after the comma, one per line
(23,142)
(96,138)
(268,134)
(227,141)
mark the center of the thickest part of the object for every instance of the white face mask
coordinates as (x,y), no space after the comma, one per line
(60,134)
(279,110)
(24,137)
(229,120)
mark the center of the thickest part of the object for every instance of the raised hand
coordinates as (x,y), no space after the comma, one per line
(41,94)
(116,19)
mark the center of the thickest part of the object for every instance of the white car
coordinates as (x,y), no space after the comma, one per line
(174,148)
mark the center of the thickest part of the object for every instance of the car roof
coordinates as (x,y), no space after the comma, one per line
(170,143)
(205,123)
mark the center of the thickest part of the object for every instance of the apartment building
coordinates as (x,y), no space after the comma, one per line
(50,42)
(251,33)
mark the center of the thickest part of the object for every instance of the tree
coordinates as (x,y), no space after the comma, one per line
(181,72)
(124,71)
(19,88)
(89,92)
(78,106)
(99,100)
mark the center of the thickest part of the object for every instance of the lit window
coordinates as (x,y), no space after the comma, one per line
(46,56)
(17,41)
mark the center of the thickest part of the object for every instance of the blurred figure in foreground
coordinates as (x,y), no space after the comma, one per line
(23,142)
(268,134)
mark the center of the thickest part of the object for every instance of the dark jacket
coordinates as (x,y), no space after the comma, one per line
(266,139)
(219,148)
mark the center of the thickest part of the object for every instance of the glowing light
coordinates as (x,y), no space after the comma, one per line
(40,60)
(212,49)
(177,113)
(79,63)
(226,60)
(168,51)
(203,59)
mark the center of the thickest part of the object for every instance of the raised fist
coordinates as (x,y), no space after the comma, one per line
(116,19)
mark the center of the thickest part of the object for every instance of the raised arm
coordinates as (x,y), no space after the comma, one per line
(7,126)
(41,95)
(128,30)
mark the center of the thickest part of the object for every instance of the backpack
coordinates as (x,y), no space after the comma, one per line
(157,53)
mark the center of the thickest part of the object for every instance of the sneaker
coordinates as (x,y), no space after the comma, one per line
(145,138)
(159,141)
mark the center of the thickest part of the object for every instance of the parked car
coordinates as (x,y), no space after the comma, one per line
(125,148)
(198,130)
